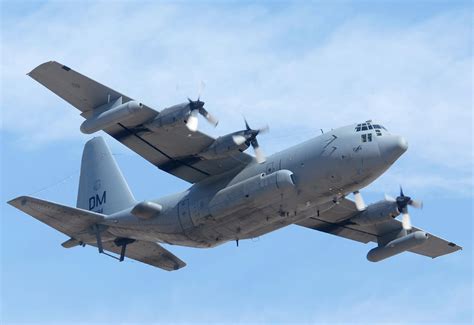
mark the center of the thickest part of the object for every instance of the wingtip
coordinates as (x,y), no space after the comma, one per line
(17,201)
(41,66)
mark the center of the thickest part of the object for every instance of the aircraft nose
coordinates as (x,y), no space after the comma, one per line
(392,147)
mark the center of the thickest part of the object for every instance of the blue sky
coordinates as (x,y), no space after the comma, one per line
(297,66)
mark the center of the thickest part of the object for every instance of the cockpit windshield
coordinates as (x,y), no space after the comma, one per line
(369,126)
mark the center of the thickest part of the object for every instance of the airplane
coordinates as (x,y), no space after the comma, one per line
(234,196)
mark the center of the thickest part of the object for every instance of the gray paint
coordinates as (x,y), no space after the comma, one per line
(232,196)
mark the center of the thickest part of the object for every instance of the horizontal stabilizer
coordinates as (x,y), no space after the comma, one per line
(68,220)
(70,243)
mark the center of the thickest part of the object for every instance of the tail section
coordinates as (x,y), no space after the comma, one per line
(102,187)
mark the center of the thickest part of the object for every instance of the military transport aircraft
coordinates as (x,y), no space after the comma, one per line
(234,196)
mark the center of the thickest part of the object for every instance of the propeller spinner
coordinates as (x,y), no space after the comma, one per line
(249,137)
(403,202)
(197,107)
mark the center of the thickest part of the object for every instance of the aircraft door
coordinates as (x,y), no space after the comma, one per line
(184,215)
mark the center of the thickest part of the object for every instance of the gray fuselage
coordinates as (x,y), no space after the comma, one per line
(288,187)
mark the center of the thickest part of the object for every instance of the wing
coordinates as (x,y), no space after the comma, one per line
(173,150)
(149,253)
(335,219)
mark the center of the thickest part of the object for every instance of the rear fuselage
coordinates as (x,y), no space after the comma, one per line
(261,198)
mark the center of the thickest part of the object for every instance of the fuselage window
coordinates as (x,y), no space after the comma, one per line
(369,137)
(364,137)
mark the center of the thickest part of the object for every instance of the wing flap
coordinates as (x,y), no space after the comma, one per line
(338,229)
(149,253)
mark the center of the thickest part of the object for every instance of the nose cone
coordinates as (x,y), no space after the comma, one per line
(392,147)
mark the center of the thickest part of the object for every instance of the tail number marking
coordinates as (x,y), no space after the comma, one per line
(97,201)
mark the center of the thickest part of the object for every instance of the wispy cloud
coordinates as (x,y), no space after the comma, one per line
(285,67)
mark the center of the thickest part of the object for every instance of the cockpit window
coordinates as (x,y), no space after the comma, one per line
(368,126)
(377,126)
(366,137)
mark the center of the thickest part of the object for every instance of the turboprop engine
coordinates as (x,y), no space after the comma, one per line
(236,141)
(378,212)
(182,113)
(223,147)
(384,210)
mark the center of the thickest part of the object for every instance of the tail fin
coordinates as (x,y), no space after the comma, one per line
(102,187)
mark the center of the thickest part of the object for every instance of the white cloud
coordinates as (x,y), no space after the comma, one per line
(416,78)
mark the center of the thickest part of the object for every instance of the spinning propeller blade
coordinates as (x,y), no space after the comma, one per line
(249,137)
(403,202)
(197,107)
(193,121)
(359,201)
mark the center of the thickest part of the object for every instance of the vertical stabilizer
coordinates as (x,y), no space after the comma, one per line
(102,187)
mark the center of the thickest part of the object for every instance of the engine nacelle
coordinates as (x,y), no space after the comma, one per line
(146,210)
(397,246)
(378,212)
(170,116)
(222,147)
(110,117)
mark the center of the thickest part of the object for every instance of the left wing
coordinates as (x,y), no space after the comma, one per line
(172,149)
(335,219)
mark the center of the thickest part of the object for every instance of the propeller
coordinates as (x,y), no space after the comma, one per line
(249,137)
(359,201)
(403,202)
(197,107)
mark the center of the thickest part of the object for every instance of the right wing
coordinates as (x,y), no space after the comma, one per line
(173,150)
(335,219)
